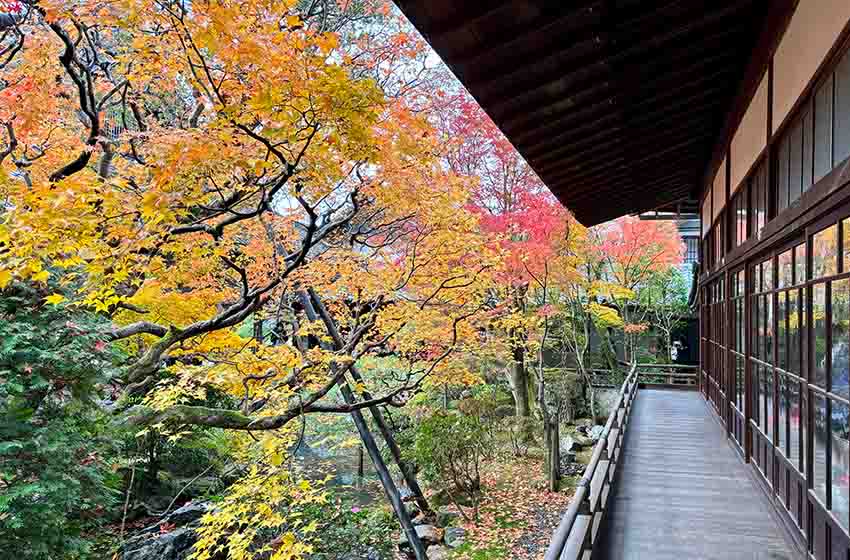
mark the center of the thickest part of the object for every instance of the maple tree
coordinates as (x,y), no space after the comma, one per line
(634,250)
(666,296)
(522,218)
(278,210)
(182,168)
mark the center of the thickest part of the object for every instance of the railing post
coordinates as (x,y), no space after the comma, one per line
(584,509)
(584,505)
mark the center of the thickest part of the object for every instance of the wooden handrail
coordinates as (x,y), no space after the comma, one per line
(667,366)
(668,376)
(579,527)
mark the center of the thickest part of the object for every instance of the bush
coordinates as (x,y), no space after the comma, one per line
(352,531)
(449,447)
(517,429)
(55,478)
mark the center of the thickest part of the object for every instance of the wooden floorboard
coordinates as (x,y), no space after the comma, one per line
(683,493)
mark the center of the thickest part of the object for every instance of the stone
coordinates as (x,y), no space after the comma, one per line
(446,517)
(596,432)
(455,537)
(583,423)
(412,510)
(444,498)
(581,441)
(152,544)
(503,411)
(185,515)
(188,513)
(196,487)
(405,493)
(571,469)
(428,534)
(420,519)
(174,545)
(567,443)
(438,552)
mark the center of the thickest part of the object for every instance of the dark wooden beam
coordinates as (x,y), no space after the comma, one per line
(664,103)
(566,85)
(604,129)
(590,157)
(662,79)
(637,129)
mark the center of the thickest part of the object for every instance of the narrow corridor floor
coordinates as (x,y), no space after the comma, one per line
(684,493)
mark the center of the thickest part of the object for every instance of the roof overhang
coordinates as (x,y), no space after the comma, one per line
(618,105)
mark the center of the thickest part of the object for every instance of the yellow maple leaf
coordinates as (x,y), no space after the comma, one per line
(54,299)
(327,42)
(5,278)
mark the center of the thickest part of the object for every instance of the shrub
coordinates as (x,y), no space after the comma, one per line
(350,530)
(449,447)
(54,476)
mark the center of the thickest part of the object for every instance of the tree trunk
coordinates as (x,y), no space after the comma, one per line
(554,455)
(551,443)
(518,378)
(609,350)
(258,329)
(592,402)
(547,455)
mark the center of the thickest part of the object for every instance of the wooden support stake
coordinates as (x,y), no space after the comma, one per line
(368,440)
(377,415)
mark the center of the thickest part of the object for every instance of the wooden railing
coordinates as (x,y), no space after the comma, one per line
(579,527)
(603,378)
(668,376)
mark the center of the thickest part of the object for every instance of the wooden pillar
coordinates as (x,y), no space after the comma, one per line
(748,368)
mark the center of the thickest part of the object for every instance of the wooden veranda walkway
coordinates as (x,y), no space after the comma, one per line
(682,492)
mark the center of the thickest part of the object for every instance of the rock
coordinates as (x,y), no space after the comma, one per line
(583,423)
(441,498)
(571,469)
(183,516)
(200,486)
(153,544)
(567,443)
(438,552)
(412,510)
(188,513)
(455,536)
(174,545)
(420,519)
(428,534)
(446,517)
(596,432)
(503,411)
(405,493)
(581,441)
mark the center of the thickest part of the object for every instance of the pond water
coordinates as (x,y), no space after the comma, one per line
(340,468)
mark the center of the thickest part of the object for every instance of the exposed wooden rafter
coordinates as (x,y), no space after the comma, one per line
(617,105)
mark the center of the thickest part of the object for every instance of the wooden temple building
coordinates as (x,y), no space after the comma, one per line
(738,111)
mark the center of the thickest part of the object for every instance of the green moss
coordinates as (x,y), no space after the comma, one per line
(475,553)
